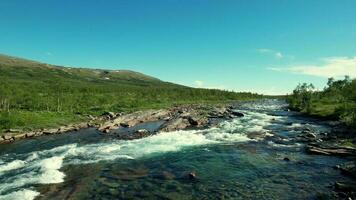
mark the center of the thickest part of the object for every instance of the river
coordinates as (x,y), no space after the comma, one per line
(227,161)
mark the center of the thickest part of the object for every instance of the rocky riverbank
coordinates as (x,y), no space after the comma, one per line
(338,142)
(175,118)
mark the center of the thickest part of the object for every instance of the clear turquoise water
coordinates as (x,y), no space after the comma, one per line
(228,164)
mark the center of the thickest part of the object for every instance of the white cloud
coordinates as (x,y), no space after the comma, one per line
(331,67)
(276,54)
(199,83)
(49,54)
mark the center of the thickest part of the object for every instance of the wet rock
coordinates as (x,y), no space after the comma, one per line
(286,159)
(176,124)
(124,124)
(50,131)
(256,135)
(346,186)
(192,176)
(349,169)
(193,121)
(38,133)
(337,167)
(142,131)
(237,114)
(331,151)
(166,118)
(135,135)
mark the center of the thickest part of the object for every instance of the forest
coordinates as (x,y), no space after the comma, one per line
(336,101)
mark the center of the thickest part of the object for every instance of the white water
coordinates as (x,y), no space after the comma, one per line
(43,167)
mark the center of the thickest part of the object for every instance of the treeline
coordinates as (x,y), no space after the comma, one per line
(337,100)
(86,97)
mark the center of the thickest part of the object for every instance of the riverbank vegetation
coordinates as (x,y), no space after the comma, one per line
(336,101)
(37,95)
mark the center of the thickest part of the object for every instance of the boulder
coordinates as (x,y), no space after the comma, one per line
(193,121)
(111,115)
(20,136)
(192,175)
(166,118)
(176,124)
(7,137)
(30,134)
(237,114)
(349,168)
(39,133)
(286,159)
(50,131)
(124,124)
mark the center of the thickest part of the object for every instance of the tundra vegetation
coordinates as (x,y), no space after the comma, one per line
(336,101)
(36,95)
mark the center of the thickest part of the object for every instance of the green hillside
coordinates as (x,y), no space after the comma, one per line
(35,95)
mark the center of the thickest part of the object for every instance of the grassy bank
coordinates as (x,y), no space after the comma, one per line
(37,95)
(337,100)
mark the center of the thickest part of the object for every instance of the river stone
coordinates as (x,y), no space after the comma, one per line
(349,168)
(13,130)
(192,176)
(346,186)
(124,124)
(20,136)
(7,137)
(30,134)
(310,135)
(176,124)
(50,131)
(193,121)
(237,114)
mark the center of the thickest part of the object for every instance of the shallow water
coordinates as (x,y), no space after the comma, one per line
(228,164)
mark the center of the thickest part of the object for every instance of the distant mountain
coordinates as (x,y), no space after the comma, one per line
(19,68)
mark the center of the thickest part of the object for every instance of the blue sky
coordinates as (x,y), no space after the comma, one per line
(243,45)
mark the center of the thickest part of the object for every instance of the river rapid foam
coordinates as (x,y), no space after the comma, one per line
(19,172)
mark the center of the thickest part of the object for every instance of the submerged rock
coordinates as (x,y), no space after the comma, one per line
(349,168)
(286,159)
(346,186)
(192,175)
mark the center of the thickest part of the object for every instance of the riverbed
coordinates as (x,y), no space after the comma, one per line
(257,156)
